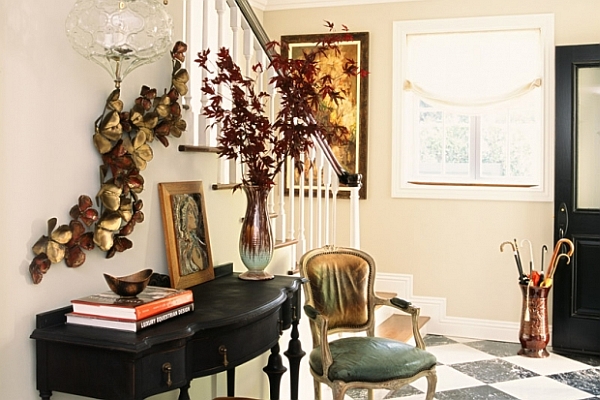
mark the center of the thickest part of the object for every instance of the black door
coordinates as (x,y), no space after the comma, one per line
(576,307)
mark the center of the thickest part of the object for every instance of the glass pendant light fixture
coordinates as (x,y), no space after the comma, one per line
(120,35)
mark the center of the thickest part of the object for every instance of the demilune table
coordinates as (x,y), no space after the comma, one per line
(233,322)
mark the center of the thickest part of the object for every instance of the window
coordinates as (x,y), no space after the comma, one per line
(473,108)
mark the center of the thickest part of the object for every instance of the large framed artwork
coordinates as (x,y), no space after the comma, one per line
(186,233)
(352,113)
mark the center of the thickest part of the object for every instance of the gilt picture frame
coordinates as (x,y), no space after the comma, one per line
(353,155)
(185,227)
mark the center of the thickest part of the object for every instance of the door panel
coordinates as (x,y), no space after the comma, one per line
(585,289)
(576,308)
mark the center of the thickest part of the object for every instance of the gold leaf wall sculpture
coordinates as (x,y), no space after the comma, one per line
(123,139)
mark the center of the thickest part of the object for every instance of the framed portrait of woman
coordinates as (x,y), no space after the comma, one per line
(186,233)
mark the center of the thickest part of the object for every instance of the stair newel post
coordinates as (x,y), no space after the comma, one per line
(354,218)
(335,186)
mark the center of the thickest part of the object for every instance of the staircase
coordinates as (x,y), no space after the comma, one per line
(306,215)
(300,222)
(397,326)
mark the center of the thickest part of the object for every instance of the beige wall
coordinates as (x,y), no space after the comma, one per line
(451,247)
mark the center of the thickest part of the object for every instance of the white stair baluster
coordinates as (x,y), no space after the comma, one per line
(188,107)
(204,136)
(327,201)
(248,39)
(319,197)
(354,218)
(301,247)
(311,195)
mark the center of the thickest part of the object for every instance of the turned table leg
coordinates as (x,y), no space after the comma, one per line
(274,370)
(231,382)
(45,394)
(183,392)
(294,354)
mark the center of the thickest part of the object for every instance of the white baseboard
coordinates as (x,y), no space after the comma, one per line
(440,323)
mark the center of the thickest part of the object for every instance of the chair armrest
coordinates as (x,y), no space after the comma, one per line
(395,302)
(407,307)
(322,324)
(311,312)
(400,303)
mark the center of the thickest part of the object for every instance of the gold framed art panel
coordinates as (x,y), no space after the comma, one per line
(186,233)
(354,114)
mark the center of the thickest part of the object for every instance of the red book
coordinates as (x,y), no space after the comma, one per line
(153,300)
(127,324)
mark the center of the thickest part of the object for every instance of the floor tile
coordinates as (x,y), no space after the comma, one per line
(406,391)
(494,371)
(457,353)
(550,365)
(420,396)
(498,349)
(540,388)
(484,392)
(458,339)
(587,380)
(473,369)
(448,379)
(437,340)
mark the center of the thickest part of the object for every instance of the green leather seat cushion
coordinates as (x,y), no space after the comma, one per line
(372,359)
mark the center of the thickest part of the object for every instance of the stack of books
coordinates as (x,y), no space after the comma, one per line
(150,307)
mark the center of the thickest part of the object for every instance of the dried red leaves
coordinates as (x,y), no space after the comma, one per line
(247,133)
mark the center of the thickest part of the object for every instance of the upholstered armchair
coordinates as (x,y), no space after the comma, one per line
(339,298)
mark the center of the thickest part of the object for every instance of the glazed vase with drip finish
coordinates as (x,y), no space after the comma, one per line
(256,238)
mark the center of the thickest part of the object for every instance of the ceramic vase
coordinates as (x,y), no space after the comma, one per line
(533,333)
(256,238)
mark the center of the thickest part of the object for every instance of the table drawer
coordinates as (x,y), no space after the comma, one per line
(227,349)
(161,372)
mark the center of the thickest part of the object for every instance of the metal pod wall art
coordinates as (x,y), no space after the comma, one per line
(123,139)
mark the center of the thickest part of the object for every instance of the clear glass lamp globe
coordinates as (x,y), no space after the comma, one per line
(120,35)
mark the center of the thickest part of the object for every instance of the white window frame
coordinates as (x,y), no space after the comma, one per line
(402,146)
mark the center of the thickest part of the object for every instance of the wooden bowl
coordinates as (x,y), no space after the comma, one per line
(130,285)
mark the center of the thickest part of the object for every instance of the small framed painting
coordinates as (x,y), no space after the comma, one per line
(186,233)
(352,113)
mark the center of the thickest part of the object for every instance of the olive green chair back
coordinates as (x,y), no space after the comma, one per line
(340,298)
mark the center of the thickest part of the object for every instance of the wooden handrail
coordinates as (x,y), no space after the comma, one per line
(344,177)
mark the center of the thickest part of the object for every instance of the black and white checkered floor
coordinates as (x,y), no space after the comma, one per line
(470,369)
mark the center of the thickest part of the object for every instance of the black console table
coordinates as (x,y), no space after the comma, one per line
(233,322)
